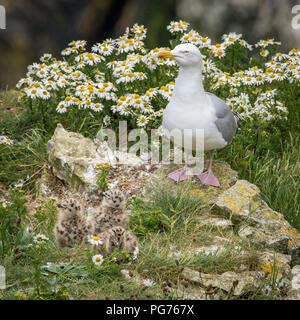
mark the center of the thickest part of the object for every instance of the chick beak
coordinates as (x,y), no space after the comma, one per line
(166,54)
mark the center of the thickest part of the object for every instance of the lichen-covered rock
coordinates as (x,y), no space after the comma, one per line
(294,292)
(240,201)
(296,278)
(275,264)
(243,205)
(237,282)
(74,159)
(215,222)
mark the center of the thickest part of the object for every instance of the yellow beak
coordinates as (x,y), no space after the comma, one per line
(166,54)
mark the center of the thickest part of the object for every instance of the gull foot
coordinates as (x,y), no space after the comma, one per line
(179,175)
(208,178)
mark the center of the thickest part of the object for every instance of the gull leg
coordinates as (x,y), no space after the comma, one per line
(208,177)
(182,173)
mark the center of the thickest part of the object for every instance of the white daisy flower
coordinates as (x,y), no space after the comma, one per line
(79,44)
(44,94)
(89,58)
(27,81)
(46,57)
(106,120)
(125,45)
(264,52)
(124,111)
(245,44)
(105,48)
(100,76)
(40,238)
(177,26)
(32,92)
(3,203)
(98,259)
(140,32)
(5,140)
(141,76)
(231,37)
(191,37)
(97,107)
(67,52)
(62,107)
(248,80)
(259,80)
(149,283)
(142,121)
(62,82)
(95,240)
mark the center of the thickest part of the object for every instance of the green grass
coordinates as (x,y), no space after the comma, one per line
(268,159)
(276,171)
(73,275)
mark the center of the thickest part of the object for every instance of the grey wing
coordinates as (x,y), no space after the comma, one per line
(226,121)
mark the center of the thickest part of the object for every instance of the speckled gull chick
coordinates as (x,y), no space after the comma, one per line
(190,107)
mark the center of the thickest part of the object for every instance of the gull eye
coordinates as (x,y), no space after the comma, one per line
(186,51)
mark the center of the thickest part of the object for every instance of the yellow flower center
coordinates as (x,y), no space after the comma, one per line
(269,69)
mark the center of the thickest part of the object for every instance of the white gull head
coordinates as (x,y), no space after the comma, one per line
(187,55)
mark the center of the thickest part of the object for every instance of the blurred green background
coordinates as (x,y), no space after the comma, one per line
(34,27)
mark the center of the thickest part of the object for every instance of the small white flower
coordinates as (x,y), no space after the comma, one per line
(3,203)
(46,57)
(142,121)
(106,120)
(135,253)
(18,184)
(178,26)
(264,53)
(5,140)
(62,107)
(95,240)
(98,259)
(40,238)
(149,283)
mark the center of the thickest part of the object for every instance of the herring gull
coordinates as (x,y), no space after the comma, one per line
(190,107)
